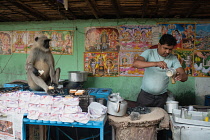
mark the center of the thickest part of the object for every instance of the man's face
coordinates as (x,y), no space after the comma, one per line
(164,50)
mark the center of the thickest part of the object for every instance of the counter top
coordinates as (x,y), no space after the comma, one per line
(157,115)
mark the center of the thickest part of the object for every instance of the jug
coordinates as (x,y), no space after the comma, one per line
(183,113)
(171,72)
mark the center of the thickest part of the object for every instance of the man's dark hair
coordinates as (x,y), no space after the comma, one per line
(167,39)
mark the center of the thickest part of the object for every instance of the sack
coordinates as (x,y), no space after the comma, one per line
(96,110)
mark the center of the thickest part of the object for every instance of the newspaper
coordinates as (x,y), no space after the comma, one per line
(11,127)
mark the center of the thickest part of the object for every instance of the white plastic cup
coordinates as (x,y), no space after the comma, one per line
(170,105)
(190,108)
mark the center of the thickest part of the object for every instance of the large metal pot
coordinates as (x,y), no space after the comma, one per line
(78,76)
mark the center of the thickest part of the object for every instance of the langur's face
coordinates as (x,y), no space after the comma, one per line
(43,43)
(47,43)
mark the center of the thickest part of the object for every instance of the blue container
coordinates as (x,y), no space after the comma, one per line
(15,84)
(41,93)
(207,100)
(101,92)
(92,90)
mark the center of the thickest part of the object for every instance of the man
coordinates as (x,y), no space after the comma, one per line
(155,81)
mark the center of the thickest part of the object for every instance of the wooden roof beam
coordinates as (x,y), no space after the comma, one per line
(169,4)
(15,11)
(54,7)
(92,8)
(155,11)
(145,5)
(193,8)
(28,9)
(69,11)
(116,6)
(3,18)
(157,8)
(82,11)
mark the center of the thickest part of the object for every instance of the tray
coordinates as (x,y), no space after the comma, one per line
(197,118)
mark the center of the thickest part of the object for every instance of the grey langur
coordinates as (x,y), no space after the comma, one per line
(40,66)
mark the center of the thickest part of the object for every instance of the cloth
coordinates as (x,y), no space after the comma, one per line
(148,100)
(144,128)
(155,80)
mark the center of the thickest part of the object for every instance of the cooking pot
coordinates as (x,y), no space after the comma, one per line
(78,76)
(116,105)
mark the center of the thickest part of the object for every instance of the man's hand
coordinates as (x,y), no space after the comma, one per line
(181,77)
(177,77)
(161,64)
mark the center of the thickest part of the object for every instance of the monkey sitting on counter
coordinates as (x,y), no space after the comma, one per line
(40,67)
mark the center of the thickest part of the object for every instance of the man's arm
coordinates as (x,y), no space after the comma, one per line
(181,75)
(141,63)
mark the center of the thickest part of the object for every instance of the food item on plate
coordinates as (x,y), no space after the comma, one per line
(72,91)
(50,87)
(80,92)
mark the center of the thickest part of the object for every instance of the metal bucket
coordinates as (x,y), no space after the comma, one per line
(85,100)
(102,101)
(78,76)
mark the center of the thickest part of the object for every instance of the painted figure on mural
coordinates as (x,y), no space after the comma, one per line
(188,32)
(124,61)
(6,44)
(188,63)
(54,40)
(164,30)
(176,34)
(143,37)
(109,66)
(67,46)
(60,41)
(113,37)
(104,40)
(93,66)
(1,47)
(137,36)
(126,36)
(19,44)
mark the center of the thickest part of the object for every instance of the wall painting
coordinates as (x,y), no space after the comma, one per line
(125,64)
(101,64)
(101,39)
(61,41)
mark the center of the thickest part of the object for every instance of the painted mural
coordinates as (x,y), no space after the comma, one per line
(61,41)
(125,64)
(135,38)
(5,42)
(201,63)
(185,58)
(101,64)
(184,34)
(31,35)
(19,40)
(104,39)
(202,37)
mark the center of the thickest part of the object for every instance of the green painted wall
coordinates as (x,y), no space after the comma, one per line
(12,66)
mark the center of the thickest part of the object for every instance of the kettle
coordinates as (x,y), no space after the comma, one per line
(116,105)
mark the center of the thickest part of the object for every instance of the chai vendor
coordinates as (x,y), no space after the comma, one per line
(155,81)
